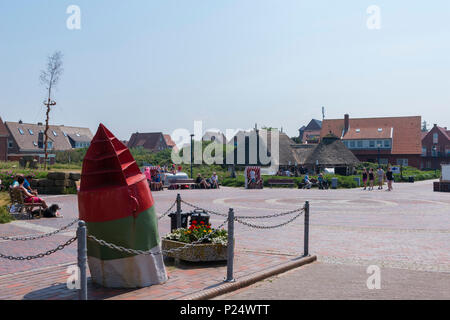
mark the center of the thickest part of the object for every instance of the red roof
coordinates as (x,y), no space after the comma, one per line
(368,133)
(406,131)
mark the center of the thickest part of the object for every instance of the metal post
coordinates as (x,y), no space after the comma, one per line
(178,211)
(230,248)
(82,259)
(306,230)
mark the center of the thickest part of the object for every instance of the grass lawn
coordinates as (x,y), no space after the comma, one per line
(4,198)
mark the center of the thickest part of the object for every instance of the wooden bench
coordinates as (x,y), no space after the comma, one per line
(17,200)
(281,182)
(182,182)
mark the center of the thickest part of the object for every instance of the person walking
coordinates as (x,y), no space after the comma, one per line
(371,179)
(390,178)
(380,176)
(364,178)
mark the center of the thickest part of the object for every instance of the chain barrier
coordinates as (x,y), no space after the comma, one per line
(139,252)
(269,227)
(205,210)
(40,236)
(246,217)
(40,255)
(167,211)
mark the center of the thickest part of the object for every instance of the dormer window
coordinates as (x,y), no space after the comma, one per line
(54,133)
(358,130)
(21,131)
(380,129)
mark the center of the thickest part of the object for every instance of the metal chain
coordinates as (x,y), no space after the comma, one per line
(40,236)
(40,255)
(272,215)
(139,252)
(206,210)
(167,211)
(268,227)
(246,217)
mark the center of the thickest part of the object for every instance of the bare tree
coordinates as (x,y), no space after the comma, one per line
(49,78)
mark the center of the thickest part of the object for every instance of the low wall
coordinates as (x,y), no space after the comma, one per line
(57,183)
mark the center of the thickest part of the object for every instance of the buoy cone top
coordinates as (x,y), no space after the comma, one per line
(108,162)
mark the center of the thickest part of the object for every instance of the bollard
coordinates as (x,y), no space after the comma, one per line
(178,211)
(230,246)
(82,259)
(306,231)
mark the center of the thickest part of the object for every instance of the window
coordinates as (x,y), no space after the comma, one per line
(435,138)
(424,151)
(380,129)
(21,131)
(359,143)
(30,132)
(372,144)
(379,144)
(402,162)
(35,143)
(352,144)
(434,151)
(358,130)
(54,133)
(10,143)
(387,144)
(65,134)
(77,134)
(50,145)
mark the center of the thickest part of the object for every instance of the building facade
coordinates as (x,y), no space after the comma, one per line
(311,132)
(151,141)
(435,148)
(27,140)
(393,140)
(4,137)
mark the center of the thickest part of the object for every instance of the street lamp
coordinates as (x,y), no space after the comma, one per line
(192,137)
(379,146)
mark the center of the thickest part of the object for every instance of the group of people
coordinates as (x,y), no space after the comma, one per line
(381,175)
(208,183)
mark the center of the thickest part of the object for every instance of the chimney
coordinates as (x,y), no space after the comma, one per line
(20,122)
(39,123)
(346,124)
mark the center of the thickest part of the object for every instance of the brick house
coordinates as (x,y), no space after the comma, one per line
(435,148)
(4,135)
(151,141)
(394,140)
(311,132)
(27,140)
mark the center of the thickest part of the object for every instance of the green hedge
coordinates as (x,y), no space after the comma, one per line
(5,216)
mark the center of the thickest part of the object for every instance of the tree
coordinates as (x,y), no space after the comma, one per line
(50,78)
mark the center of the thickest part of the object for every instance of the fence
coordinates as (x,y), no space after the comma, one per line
(230,218)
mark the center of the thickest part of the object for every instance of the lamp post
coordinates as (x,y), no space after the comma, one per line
(379,146)
(192,137)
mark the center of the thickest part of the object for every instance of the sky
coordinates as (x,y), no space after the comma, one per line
(148,66)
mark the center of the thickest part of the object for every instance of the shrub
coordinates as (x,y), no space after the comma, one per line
(5,216)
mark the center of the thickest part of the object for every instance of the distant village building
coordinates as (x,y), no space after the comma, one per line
(4,135)
(170,143)
(27,140)
(394,140)
(311,132)
(214,136)
(435,148)
(151,141)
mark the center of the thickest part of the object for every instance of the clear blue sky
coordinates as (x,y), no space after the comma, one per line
(146,65)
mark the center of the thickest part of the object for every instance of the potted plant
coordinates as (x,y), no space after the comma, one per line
(211,247)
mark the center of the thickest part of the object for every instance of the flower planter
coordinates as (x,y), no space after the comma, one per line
(202,252)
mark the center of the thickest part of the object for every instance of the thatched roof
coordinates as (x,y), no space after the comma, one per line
(331,152)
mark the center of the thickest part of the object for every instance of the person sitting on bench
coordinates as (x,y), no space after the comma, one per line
(29,197)
(214,181)
(321,181)
(202,182)
(307,182)
(253,181)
